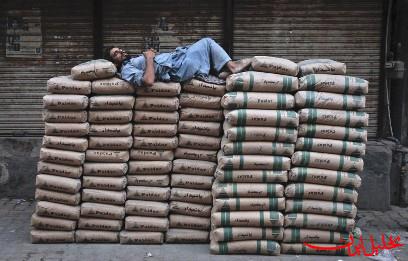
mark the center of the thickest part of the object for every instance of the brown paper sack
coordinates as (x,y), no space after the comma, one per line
(110,130)
(318,66)
(199,101)
(325,100)
(323,222)
(46,237)
(104,196)
(111,143)
(254,117)
(66,129)
(46,223)
(149,167)
(190,209)
(65,143)
(155,117)
(107,156)
(257,100)
(56,183)
(321,207)
(188,222)
(200,128)
(99,224)
(105,169)
(191,195)
(178,235)
(198,141)
(274,65)
(148,180)
(254,162)
(105,211)
(196,114)
(327,161)
(155,130)
(152,224)
(56,210)
(94,69)
(57,197)
(261,148)
(325,177)
(65,102)
(321,192)
(153,155)
(246,233)
(71,158)
(59,170)
(128,237)
(112,102)
(299,249)
(333,83)
(298,235)
(193,154)
(114,117)
(105,183)
(356,149)
(248,204)
(200,87)
(67,85)
(333,117)
(247,219)
(247,190)
(191,181)
(146,208)
(112,86)
(164,89)
(194,167)
(157,104)
(160,143)
(252,81)
(91,236)
(332,132)
(259,247)
(251,176)
(65,116)
(288,135)
(148,193)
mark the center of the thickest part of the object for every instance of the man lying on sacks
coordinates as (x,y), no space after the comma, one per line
(183,64)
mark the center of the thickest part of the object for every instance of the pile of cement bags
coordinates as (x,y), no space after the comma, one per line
(259,136)
(199,132)
(154,133)
(320,200)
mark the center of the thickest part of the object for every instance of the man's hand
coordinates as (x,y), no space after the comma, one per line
(149,77)
(149,54)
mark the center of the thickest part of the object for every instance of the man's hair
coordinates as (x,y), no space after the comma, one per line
(106,53)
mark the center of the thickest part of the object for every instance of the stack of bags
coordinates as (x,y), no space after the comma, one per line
(199,132)
(259,140)
(154,134)
(61,161)
(320,201)
(104,180)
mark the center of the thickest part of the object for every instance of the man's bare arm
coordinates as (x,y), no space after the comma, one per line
(148,77)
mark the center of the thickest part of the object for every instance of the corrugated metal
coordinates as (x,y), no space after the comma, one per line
(67,41)
(346,30)
(164,25)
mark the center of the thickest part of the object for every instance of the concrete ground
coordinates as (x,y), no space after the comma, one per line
(15,242)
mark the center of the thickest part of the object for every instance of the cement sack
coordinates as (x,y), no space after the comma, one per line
(333,117)
(355,149)
(251,176)
(105,169)
(163,89)
(191,181)
(246,233)
(301,249)
(332,132)
(323,222)
(162,104)
(274,65)
(321,192)
(333,83)
(178,235)
(66,129)
(149,167)
(288,135)
(152,155)
(65,143)
(155,143)
(57,197)
(155,117)
(146,208)
(93,69)
(261,82)
(65,116)
(259,148)
(325,177)
(193,154)
(195,114)
(151,224)
(110,117)
(199,101)
(111,143)
(254,162)
(56,210)
(143,238)
(148,193)
(46,223)
(188,222)
(67,85)
(112,102)
(200,128)
(91,236)
(325,100)
(65,102)
(107,156)
(327,161)
(155,130)
(257,100)
(105,211)
(253,117)
(321,207)
(49,237)
(194,167)
(99,224)
(199,141)
(247,190)
(112,86)
(190,209)
(321,66)
(247,219)
(191,195)
(258,247)
(299,235)
(148,180)
(59,170)
(110,130)
(64,157)
(56,183)
(248,204)
(104,196)
(105,183)
(200,87)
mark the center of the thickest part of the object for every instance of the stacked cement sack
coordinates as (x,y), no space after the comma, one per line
(62,156)
(199,132)
(320,200)
(259,140)
(154,133)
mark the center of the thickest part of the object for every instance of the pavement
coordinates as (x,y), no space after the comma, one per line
(15,241)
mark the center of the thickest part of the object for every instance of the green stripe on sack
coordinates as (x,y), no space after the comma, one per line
(344,102)
(305,158)
(348,118)
(279,104)
(308,144)
(334,210)
(241,133)
(297,205)
(344,147)
(237,148)
(331,236)
(314,115)
(341,163)
(305,220)
(273,203)
(335,193)
(258,246)
(342,223)
(251,81)
(274,148)
(311,82)
(261,219)
(242,114)
(283,101)
(295,237)
(227,233)
(310,99)
(223,248)
(225,219)
(338,178)
(277,163)
(270,189)
(277,133)
(239,84)
(234,190)
(278,118)
(263,230)
(245,100)
(228,176)
(299,190)
(237,204)
(346,133)
(302,174)
(346,84)
(310,130)
(264,176)
(347,207)
(241,161)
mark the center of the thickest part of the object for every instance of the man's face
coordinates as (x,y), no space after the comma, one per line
(118,55)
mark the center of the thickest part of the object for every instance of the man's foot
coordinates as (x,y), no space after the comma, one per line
(224,75)
(239,66)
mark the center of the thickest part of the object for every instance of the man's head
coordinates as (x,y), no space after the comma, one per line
(115,55)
